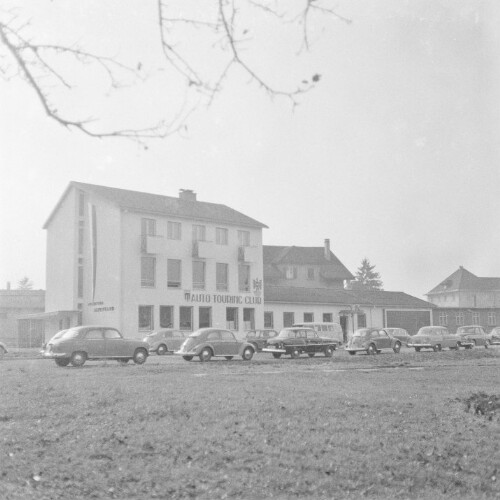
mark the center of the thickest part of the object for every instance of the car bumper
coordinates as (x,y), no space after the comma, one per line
(54,355)
(423,346)
(494,342)
(465,343)
(274,349)
(356,349)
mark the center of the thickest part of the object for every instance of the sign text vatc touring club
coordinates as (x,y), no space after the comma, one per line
(215,298)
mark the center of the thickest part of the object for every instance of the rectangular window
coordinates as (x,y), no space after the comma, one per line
(288,319)
(148,227)
(361,320)
(459,319)
(205,317)
(492,319)
(221,276)
(308,317)
(173,273)
(310,273)
(443,319)
(174,230)
(244,238)
(81,204)
(198,275)
(291,273)
(244,278)
(148,271)
(80,236)
(327,317)
(186,318)
(221,236)
(146,318)
(80,282)
(166,316)
(248,318)
(232,318)
(199,233)
(268,319)
(476,318)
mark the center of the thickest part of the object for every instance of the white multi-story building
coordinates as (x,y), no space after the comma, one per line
(141,261)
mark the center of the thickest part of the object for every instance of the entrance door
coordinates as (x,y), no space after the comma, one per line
(249,319)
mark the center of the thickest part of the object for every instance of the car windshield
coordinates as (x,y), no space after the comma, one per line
(465,329)
(362,332)
(426,331)
(285,333)
(72,333)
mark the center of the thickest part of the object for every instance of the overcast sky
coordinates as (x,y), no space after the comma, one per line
(393,156)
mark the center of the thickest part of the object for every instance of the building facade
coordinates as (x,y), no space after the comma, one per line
(140,261)
(466,299)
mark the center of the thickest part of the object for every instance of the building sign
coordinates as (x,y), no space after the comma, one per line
(100,309)
(216,298)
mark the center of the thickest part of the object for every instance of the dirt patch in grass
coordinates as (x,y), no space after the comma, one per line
(486,405)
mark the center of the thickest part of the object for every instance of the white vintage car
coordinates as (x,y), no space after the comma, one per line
(435,338)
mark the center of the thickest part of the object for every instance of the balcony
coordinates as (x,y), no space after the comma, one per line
(203,250)
(248,254)
(153,244)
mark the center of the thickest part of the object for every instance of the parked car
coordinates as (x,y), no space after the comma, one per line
(325,329)
(165,340)
(494,336)
(471,336)
(259,338)
(82,343)
(399,333)
(433,337)
(372,341)
(295,340)
(209,342)
(3,350)
(58,335)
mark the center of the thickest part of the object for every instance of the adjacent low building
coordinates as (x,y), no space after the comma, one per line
(141,261)
(466,299)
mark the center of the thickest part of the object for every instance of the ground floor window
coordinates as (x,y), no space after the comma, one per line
(492,319)
(248,319)
(146,318)
(476,318)
(308,317)
(186,318)
(288,319)
(361,320)
(205,317)
(327,318)
(460,319)
(268,319)
(166,316)
(232,318)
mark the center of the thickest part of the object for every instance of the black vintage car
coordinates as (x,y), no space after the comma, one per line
(259,338)
(295,341)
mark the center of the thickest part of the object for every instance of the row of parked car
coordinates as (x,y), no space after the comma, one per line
(79,344)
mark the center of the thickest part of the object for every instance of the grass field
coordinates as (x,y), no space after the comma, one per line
(386,426)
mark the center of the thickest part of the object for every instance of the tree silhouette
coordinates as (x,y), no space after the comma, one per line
(367,278)
(25,284)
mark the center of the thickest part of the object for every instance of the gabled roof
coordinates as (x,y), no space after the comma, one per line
(380,298)
(330,269)
(462,279)
(163,205)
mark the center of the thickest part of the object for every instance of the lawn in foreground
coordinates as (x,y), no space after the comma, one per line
(281,429)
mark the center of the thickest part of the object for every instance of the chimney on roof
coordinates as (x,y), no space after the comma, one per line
(327,249)
(187,194)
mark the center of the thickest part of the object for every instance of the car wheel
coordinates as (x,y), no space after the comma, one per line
(78,358)
(311,354)
(436,347)
(162,350)
(276,355)
(229,358)
(352,353)
(188,358)
(371,349)
(329,351)
(255,347)
(62,361)
(417,349)
(247,354)
(397,347)
(123,361)
(206,354)
(140,356)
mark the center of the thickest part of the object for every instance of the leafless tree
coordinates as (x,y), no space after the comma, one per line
(223,27)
